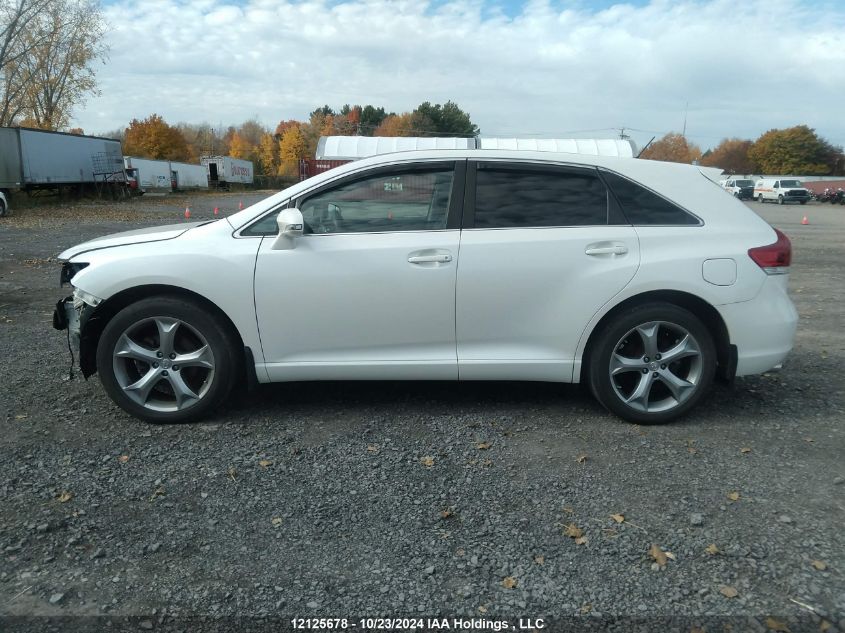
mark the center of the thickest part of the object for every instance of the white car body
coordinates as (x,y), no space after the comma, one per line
(491,304)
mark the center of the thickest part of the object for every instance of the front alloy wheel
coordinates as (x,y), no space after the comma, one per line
(163,364)
(167,359)
(652,364)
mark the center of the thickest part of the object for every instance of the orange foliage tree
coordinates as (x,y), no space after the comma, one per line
(154,138)
(731,155)
(672,148)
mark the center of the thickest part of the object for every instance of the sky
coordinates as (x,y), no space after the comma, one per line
(548,68)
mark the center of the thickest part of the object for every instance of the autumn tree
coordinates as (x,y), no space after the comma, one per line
(283,127)
(292,147)
(795,150)
(396,125)
(673,148)
(201,140)
(17,21)
(268,154)
(154,138)
(731,155)
(64,41)
(240,147)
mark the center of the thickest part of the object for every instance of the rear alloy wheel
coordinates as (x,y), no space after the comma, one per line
(652,363)
(2,208)
(166,359)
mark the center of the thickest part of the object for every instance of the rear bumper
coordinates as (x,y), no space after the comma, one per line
(762,329)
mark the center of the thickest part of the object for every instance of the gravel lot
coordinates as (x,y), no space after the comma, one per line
(431,499)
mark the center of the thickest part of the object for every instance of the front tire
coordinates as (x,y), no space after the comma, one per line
(652,363)
(166,360)
(760,198)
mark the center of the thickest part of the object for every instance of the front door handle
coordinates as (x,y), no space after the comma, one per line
(429,259)
(606,248)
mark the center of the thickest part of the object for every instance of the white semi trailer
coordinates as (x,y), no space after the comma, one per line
(165,175)
(151,175)
(187,176)
(39,159)
(224,171)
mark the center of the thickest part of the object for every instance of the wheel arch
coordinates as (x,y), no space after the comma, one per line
(713,321)
(100,317)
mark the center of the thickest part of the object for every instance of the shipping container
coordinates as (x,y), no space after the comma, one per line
(189,176)
(152,175)
(224,170)
(32,159)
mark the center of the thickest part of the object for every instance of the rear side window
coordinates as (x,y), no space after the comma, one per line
(643,207)
(513,198)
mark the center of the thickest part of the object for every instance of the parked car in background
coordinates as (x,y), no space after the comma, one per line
(636,277)
(781,190)
(4,204)
(742,188)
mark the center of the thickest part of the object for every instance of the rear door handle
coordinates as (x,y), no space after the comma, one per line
(606,249)
(428,259)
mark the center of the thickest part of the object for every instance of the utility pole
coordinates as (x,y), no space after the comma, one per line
(686,108)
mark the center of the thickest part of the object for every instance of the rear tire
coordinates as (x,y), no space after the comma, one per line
(167,360)
(2,208)
(652,363)
(760,198)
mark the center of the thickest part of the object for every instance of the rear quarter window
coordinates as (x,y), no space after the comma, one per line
(643,207)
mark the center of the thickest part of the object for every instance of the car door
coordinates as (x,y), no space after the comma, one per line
(369,290)
(543,248)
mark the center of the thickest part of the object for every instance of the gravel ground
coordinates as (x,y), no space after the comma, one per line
(493,500)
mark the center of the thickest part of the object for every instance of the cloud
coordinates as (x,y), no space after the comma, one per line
(550,69)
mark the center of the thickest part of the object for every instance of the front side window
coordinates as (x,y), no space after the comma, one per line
(643,207)
(514,198)
(414,200)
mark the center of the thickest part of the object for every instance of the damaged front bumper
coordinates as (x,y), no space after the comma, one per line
(72,314)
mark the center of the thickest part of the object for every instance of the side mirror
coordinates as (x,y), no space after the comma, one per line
(291,226)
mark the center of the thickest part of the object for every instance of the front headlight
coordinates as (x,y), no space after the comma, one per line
(69,269)
(80,297)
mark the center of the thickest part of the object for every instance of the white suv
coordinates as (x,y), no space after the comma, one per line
(638,277)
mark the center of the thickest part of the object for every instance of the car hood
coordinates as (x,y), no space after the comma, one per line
(138,236)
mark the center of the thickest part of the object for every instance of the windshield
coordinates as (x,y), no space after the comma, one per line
(744,183)
(790,183)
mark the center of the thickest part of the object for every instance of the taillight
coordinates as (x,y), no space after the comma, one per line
(775,258)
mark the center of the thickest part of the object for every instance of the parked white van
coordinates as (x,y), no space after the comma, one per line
(741,188)
(781,190)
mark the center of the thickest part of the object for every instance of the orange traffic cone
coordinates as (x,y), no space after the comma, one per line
(216,211)
(805,220)
(240,205)
(187,213)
